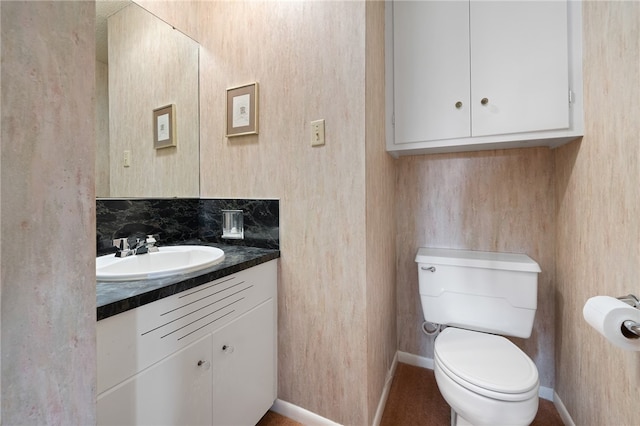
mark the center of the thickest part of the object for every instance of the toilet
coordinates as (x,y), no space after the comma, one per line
(476,298)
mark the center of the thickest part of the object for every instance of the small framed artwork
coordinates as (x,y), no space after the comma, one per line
(242,110)
(164,127)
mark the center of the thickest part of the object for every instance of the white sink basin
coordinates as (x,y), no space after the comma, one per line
(166,261)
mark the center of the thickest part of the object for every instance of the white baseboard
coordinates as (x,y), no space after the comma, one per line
(385,391)
(420,361)
(299,414)
(306,417)
(562,410)
(546,393)
(416,360)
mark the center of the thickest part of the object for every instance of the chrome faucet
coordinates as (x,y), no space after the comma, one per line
(131,246)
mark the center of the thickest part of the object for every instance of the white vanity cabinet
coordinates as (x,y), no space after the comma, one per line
(207,355)
(471,75)
(176,390)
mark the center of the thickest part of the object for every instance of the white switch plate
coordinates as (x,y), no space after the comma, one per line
(126,158)
(317,133)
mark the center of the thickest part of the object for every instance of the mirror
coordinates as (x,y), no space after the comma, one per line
(144,64)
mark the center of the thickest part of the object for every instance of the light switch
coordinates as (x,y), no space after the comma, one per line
(126,158)
(317,133)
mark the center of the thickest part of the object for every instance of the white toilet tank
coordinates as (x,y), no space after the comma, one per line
(483,291)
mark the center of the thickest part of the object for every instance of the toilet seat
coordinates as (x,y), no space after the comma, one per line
(486,364)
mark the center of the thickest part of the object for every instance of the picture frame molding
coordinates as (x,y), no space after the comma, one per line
(240,122)
(164,115)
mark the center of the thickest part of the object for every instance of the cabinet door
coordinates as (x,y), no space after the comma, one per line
(244,367)
(174,391)
(431,70)
(519,64)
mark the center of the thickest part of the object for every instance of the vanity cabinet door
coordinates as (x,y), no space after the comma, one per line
(244,367)
(175,391)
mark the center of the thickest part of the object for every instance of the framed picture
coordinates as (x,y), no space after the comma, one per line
(164,127)
(242,110)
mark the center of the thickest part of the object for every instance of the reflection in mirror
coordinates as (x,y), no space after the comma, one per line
(149,65)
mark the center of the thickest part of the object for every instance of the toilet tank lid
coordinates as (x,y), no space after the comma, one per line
(477,259)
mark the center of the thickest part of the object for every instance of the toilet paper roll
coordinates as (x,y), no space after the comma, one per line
(606,314)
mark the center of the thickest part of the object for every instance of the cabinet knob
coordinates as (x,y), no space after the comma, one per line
(205,364)
(227,349)
(484,101)
(458,105)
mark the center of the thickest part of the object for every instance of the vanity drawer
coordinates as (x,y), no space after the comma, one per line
(129,342)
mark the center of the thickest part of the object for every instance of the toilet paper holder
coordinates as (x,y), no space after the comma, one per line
(630,329)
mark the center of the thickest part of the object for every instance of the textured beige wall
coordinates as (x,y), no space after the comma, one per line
(181,14)
(598,210)
(151,65)
(380,217)
(48,213)
(102,130)
(309,58)
(494,200)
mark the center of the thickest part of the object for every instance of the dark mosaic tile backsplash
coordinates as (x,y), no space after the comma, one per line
(183,220)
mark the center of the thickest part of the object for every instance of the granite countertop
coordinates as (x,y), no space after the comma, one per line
(117,297)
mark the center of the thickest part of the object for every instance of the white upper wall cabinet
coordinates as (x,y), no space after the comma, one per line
(475,75)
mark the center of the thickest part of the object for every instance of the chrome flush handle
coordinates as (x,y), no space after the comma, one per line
(428,268)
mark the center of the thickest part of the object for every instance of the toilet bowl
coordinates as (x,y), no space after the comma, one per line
(479,297)
(485,379)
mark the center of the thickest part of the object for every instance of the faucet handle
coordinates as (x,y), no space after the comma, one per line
(121,243)
(151,242)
